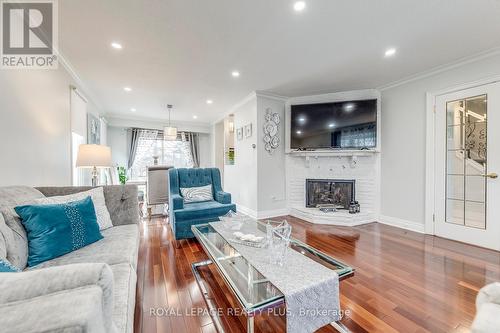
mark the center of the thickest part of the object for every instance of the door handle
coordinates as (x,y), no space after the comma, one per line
(491,175)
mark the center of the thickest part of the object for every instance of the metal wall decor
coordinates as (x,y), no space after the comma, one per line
(271,130)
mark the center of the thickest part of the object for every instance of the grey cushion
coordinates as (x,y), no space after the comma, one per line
(38,290)
(125,280)
(119,245)
(16,240)
(71,311)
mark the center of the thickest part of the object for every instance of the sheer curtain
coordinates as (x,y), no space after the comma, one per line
(194,144)
(181,153)
(133,135)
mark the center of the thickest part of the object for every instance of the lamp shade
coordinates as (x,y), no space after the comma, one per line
(90,156)
(170,133)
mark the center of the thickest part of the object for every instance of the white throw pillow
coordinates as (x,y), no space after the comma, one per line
(97,196)
(197,194)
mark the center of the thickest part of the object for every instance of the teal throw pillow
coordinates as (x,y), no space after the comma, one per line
(56,229)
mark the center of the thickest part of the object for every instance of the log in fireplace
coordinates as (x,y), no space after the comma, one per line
(336,193)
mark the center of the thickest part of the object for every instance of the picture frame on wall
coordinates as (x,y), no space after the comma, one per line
(239,133)
(93,129)
(248,131)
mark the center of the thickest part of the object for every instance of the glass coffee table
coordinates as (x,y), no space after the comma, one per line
(254,292)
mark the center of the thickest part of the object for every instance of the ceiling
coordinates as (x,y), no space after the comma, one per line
(182,52)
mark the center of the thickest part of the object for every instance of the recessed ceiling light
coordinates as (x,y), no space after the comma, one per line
(299,6)
(133,109)
(390,52)
(209,101)
(331,125)
(235,74)
(349,107)
(195,117)
(127,89)
(302,119)
(299,132)
(116,45)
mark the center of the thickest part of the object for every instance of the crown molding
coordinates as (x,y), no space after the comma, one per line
(266,94)
(79,84)
(442,68)
(248,98)
(119,120)
(335,96)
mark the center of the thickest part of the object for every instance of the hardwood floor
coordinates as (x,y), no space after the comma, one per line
(404,281)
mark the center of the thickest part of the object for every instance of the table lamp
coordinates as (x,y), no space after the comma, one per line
(93,156)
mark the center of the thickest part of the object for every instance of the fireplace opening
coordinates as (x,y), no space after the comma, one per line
(334,193)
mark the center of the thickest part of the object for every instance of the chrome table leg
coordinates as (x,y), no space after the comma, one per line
(250,324)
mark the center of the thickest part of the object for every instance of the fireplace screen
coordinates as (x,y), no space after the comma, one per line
(329,192)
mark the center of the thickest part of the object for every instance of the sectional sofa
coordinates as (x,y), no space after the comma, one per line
(89,290)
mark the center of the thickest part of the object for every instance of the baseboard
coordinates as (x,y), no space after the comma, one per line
(247,211)
(401,223)
(265,214)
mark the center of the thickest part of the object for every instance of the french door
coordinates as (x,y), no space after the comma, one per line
(467,160)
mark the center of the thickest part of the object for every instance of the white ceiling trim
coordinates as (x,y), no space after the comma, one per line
(248,98)
(442,68)
(80,84)
(119,120)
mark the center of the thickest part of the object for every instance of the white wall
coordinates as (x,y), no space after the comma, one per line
(218,147)
(257,179)
(205,150)
(117,140)
(35,127)
(240,179)
(271,182)
(404,138)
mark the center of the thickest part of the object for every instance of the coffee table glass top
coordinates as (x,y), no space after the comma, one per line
(252,289)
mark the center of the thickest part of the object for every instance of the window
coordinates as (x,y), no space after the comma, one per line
(151,145)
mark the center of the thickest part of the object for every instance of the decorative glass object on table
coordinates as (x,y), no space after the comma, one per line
(278,240)
(232,220)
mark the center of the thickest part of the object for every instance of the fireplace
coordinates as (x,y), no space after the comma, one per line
(334,193)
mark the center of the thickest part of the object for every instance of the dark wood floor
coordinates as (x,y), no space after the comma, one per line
(404,281)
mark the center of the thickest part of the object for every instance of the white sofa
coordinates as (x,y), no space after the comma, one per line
(89,290)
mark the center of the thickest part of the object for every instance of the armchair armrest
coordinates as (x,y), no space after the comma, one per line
(41,283)
(223,197)
(177,201)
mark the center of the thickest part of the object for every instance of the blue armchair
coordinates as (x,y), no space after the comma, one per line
(184,215)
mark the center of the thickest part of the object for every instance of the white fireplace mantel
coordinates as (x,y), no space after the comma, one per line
(330,153)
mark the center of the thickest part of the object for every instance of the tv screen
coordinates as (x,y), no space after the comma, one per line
(340,125)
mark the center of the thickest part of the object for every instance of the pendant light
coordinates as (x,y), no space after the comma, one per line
(169,132)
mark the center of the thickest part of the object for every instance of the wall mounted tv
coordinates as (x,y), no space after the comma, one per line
(336,125)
